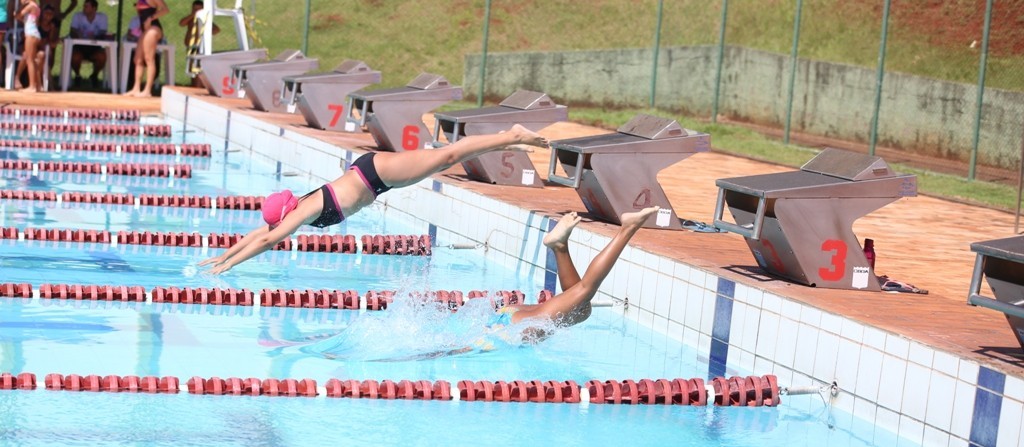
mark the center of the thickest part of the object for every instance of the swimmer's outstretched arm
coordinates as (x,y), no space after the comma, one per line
(261,242)
(246,240)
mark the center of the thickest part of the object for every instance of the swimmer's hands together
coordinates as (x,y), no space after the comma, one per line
(213,260)
(219,264)
(220,269)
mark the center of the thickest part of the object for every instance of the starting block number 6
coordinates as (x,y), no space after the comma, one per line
(410,138)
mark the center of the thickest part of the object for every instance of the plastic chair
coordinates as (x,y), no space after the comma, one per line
(164,48)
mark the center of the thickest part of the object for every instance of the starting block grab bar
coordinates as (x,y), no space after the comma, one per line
(1001,261)
(572,180)
(748,231)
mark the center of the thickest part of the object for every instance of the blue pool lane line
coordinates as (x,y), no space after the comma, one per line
(550,266)
(988,401)
(724,294)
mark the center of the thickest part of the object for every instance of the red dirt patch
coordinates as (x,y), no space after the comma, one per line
(956,23)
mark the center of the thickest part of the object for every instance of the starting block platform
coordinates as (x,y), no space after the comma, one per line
(532,110)
(261,81)
(799,225)
(1001,262)
(214,70)
(320,98)
(618,173)
(395,116)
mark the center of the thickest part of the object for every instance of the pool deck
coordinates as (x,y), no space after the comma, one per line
(921,240)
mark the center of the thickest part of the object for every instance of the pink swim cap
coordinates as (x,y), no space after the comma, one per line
(278,205)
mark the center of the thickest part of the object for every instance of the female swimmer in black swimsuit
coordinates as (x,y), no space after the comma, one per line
(149,12)
(373,174)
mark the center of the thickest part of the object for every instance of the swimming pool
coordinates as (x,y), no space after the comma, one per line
(85,337)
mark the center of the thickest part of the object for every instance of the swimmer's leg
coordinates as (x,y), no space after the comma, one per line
(573,305)
(558,241)
(406,168)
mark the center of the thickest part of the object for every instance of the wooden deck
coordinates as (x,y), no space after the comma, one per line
(920,240)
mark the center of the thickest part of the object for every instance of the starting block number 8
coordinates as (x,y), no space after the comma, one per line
(228,88)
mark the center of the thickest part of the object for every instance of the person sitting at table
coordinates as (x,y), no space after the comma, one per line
(89,24)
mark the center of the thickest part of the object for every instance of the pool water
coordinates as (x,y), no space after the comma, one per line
(82,337)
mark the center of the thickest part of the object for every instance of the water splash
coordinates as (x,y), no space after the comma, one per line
(415,327)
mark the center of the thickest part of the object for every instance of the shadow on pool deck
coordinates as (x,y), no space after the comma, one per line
(921,240)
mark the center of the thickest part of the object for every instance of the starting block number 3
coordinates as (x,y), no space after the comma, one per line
(837,270)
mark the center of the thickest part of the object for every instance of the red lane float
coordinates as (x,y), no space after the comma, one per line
(28,195)
(188,149)
(23,290)
(755,390)
(147,130)
(41,234)
(112,383)
(79,167)
(169,200)
(395,245)
(252,387)
(94,114)
(92,292)
(202,295)
(308,298)
(23,381)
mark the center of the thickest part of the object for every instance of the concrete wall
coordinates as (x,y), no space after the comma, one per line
(834,100)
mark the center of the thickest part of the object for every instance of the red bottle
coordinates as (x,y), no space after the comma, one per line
(869,252)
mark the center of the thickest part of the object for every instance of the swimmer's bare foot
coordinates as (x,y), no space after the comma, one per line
(637,219)
(528,137)
(144,95)
(131,93)
(519,148)
(558,237)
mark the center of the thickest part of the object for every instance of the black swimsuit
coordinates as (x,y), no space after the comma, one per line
(368,172)
(331,214)
(146,13)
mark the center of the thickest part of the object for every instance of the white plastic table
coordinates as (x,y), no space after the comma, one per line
(65,67)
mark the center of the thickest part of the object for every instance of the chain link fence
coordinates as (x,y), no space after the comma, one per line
(926,83)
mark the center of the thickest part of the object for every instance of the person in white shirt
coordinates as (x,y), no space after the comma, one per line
(89,24)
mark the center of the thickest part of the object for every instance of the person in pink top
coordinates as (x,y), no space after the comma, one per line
(370,175)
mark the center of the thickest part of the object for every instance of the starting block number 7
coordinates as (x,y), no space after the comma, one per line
(337,109)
